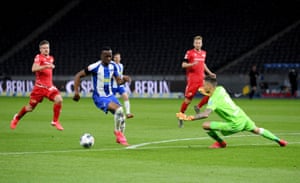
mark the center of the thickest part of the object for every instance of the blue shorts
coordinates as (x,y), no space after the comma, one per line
(119,89)
(102,102)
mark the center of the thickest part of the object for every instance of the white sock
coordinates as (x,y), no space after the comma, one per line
(127,106)
(122,127)
(119,120)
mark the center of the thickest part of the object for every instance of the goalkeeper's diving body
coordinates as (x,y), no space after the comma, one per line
(235,119)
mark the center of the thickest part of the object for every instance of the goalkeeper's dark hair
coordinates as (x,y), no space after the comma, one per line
(211,80)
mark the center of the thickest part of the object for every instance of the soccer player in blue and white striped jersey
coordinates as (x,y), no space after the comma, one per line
(102,73)
(121,89)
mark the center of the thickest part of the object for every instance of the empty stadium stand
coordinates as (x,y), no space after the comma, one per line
(153,37)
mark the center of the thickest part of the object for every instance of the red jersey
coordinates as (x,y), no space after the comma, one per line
(195,73)
(44,77)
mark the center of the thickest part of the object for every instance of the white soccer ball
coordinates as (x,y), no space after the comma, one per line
(87,140)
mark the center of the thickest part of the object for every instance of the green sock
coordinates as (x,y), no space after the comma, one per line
(269,135)
(214,135)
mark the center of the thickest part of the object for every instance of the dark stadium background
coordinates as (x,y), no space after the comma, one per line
(153,37)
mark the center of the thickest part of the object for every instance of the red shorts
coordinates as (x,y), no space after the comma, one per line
(39,92)
(192,89)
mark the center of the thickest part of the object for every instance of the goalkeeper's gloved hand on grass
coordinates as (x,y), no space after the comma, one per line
(184,117)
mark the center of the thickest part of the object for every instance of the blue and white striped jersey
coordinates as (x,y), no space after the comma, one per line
(120,68)
(102,76)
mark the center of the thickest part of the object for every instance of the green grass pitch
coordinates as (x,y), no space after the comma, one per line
(161,152)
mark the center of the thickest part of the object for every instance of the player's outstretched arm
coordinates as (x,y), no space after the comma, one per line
(77,78)
(209,71)
(201,115)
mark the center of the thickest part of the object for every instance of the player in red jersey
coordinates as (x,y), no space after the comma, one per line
(42,67)
(194,63)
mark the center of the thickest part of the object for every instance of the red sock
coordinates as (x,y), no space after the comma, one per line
(21,113)
(56,111)
(183,107)
(203,101)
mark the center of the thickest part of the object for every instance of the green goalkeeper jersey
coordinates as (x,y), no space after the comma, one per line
(223,105)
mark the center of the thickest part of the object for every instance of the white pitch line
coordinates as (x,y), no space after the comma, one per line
(142,145)
(201,146)
(163,141)
(199,138)
(59,151)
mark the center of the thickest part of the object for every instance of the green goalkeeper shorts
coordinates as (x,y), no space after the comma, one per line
(230,127)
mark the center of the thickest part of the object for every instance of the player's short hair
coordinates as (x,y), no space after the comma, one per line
(43,42)
(198,37)
(117,53)
(105,48)
(211,80)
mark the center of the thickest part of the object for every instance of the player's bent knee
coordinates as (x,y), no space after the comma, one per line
(58,99)
(30,107)
(125,96)
(206,125)
(259,130)
(187,100)
(119,110)
(255,131)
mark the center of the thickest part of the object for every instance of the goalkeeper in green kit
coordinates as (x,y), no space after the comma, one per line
(235,119)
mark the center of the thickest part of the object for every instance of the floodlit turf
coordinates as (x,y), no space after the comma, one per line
(160,151)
